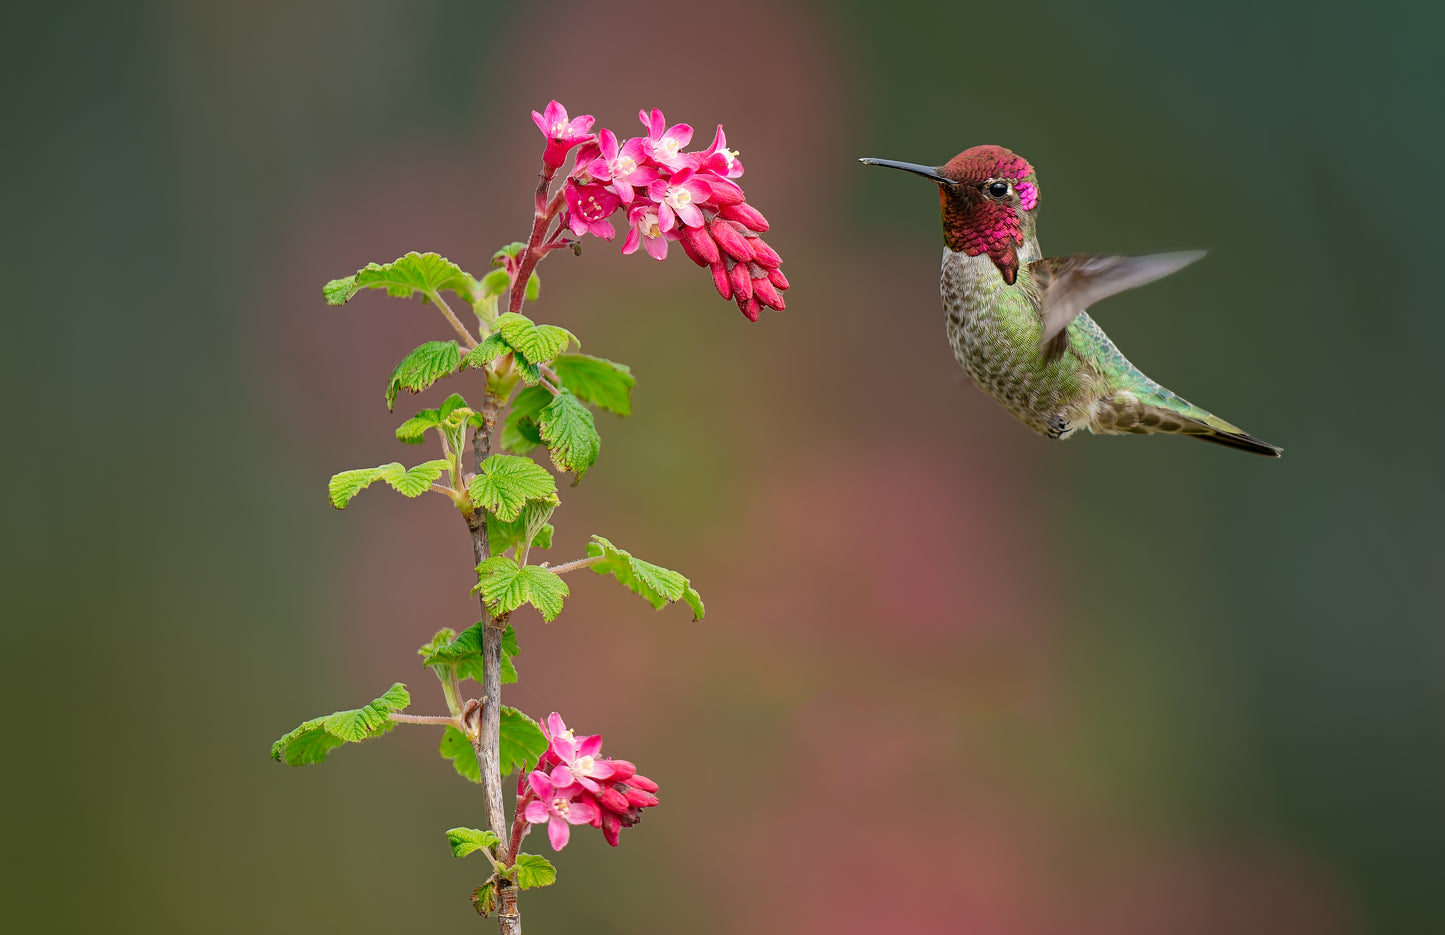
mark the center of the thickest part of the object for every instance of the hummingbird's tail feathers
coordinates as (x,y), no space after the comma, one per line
(1069,284)
(1241,440)
(1160,412)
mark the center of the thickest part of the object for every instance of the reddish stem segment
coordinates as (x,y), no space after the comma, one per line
(542,216)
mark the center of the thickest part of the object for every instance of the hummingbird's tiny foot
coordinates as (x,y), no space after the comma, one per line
(1058,428)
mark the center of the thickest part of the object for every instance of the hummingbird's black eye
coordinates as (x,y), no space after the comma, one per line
(998,189)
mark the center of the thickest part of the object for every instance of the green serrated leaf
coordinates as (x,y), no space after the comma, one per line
(492,347)
(314,739)
(520,433)
(520,743)
(655,584)
(450,405)
(407,275)
(567,429)
(466,841)
(457,748)
(423,367)
(464,652)
(538,343)
(443,636)
(505,587)
(414,482)
(507,482)
(597,381)
(497,282)
(337,291)
(342,487)
(413,431)
(307,744)
(484,898)
(534,871)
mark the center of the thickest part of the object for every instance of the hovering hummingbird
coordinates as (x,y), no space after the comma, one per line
(1017,319)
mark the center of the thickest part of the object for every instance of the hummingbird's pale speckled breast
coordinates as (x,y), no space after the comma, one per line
(995,328)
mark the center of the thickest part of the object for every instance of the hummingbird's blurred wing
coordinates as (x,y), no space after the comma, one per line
(1067,285)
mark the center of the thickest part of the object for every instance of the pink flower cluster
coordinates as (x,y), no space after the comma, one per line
(666,195)
(572,785)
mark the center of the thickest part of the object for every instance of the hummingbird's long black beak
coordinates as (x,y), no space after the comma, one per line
(928,172)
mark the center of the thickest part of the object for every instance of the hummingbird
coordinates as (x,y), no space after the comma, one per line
(1017,320)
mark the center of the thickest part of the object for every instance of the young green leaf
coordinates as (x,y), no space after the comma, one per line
(492,347)
(569,433)
(538,343)
(512,249)
(484,898)
(533,287)
(505,587)
(520,743)
(520,433)
(457,748)
(507,482)
(423,367)
(337,291)
(465,841)
(314,739)
(465,653)
(495,283)
(415,272)
(529,528)
(411,483)
(534,871)
(413,431)
(655,584)
(597,381)
(342,487)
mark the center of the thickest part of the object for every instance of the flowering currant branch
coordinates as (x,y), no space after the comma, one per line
(534,394)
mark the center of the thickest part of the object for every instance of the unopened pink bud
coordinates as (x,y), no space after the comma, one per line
(720,281)
(750,308)
(699,245)
(767,295)
(765,255)
(642,782)
(612,800)
(641,799)
(611,828)
(724,192)
(621,769)
(776,277)
(745,213)
(731,240)
(742,283)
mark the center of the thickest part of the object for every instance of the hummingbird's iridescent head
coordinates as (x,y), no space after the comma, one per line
(988,197)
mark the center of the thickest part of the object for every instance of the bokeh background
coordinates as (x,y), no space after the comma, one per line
(953,677)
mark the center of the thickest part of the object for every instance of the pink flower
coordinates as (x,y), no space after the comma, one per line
(588,208)
(579,761)
(678,198)
(622,166)
(561,134)
(719,159)
(646,231)
(558,807)
(665,145)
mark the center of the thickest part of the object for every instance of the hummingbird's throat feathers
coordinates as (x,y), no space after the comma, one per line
(975,224)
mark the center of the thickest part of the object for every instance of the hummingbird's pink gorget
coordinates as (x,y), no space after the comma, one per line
(974,222)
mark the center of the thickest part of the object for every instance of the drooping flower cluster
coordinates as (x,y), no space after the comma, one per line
(572,785)
(667,195)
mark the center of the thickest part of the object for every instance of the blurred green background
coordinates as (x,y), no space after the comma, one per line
(989,683)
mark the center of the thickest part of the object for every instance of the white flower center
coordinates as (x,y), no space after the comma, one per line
(582,766)
(728,156)
(665,149)
(625,165)
(559,129)
(679,197)
(560,806)
(650,227)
